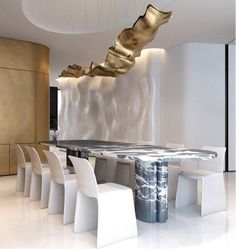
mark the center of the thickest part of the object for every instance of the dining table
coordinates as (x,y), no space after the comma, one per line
(151,169)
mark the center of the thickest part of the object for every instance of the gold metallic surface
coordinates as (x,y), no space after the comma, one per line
(23,55)
(40,149)
(129,44)
(24,97)
(17,106)
(4,160)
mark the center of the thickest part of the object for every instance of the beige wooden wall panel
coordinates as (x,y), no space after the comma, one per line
(13,160)
(42,107)
(24,99)
(4,159)
(40,149)
(17,106)
(24,55)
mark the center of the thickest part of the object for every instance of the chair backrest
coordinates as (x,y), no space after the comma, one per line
(35,160)
(86,180)
(174,146)
(19,156)
(216,164)
(56,167)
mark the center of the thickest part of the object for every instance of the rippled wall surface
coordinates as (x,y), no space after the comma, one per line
(118,109)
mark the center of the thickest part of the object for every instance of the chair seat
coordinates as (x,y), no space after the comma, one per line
(111,206)
(70,177)
(173,166)
(66,171)
(110,187)
(44,165)
(45,170)
(197,174)
(28,164)
(173,173)
(212,190)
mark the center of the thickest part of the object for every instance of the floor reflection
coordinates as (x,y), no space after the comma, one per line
(24,225)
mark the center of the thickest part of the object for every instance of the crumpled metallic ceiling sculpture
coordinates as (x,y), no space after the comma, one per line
(129,43)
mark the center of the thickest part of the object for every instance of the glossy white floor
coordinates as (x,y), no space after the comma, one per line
(24,225)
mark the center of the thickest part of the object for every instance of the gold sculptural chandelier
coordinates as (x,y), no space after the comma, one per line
(129,44)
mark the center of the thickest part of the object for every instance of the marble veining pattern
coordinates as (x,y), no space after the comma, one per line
(151,191)
(147,153)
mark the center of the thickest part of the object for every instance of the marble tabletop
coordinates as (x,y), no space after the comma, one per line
(142,152)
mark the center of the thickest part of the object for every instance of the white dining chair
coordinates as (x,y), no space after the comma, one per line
(104,168)
(210,175)
(109,207)
(112,169)
(125,173)
(24,172)
(63,190)
(40,181)
(100,167)
(173,173)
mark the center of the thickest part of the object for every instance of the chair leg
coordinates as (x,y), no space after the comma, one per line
(35,187)
(173,174)
(186,192)
(69,202)
(86,213)
(20,179)
(100,170)
(213,198)
(56,198)
(45,189)
(92,161)
(125,174)
(116,218)
(28,176)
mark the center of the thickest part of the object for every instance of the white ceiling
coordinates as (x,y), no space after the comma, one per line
(210,21)
(85,16)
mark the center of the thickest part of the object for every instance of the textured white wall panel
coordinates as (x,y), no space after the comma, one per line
(193,95)
(122,109)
